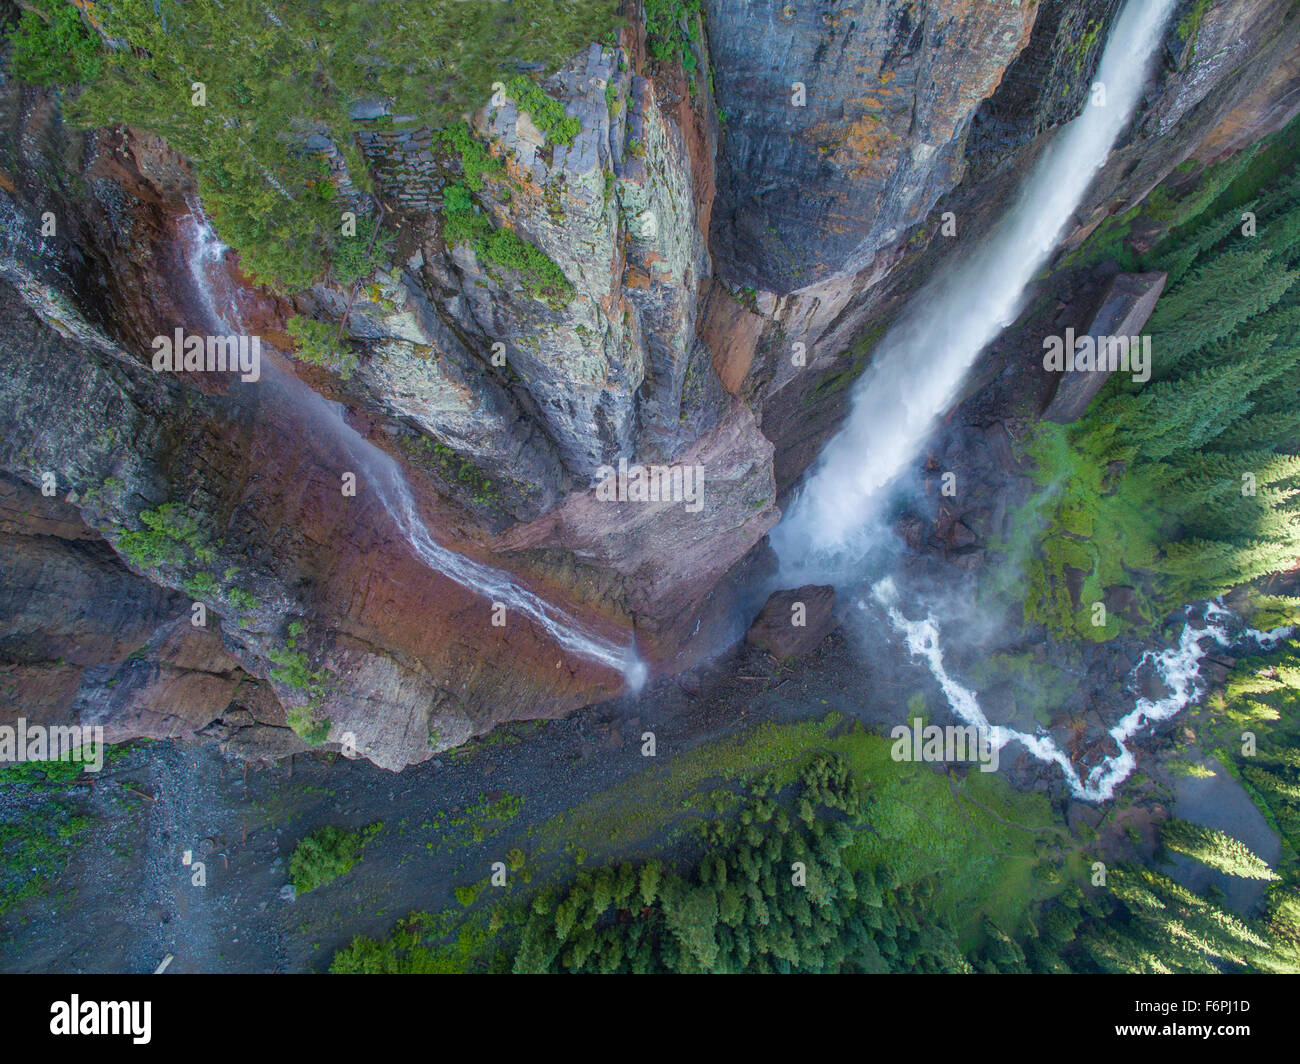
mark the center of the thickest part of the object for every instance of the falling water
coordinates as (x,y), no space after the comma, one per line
(381,472)
(920,364)
(1178,667)
(916,375)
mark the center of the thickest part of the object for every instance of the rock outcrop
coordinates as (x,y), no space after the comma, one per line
(732,244)
(1123,311)
(794,623)
(845,123)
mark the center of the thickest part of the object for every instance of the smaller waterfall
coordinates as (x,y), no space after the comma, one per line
(382,473)
(1178,667)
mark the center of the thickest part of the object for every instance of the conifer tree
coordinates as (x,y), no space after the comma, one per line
(1214,848)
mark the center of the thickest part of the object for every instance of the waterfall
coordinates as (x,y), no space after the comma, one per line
(916,374)
(919,365)
(1178,667)
(382,474)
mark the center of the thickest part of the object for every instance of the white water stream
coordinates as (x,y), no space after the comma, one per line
(1178,667)
(379,472)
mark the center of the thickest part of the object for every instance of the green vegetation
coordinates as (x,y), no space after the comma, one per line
(971,855)
(170,536)
(237,88)
(920,826)
(357,255)
(242,600)
(42,822)
(858,357)
(546,113)
(775,894)
(475,161)
(304,723)
(1084,45)
(1190,27)
(467,896)
(1024,682)
(455,470)
(422,944)
(200,585)
(695,865)
(1255,727)
(1212,847)
(465,223)
(53,45)
(1145,922)
(326,854)
(293,669)
(671,26)
(1185,486)
(316,342)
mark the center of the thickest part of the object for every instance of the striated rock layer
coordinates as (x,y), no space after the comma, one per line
(734,241)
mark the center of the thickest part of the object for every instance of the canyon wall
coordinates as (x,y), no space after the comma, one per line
(733,241)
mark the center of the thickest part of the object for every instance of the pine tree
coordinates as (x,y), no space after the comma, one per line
(1214,848)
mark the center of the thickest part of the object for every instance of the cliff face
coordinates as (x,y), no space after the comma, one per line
(845,124)
(728,257)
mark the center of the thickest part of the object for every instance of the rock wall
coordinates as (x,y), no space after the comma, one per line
(731,259)
(845,124)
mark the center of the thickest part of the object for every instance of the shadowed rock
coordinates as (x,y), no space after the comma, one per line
(1124,309)
(776,628)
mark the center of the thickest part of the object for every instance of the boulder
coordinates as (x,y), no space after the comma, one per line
(777,630)
(1124,309)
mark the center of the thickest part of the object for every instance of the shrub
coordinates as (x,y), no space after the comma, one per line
(276,67)
(52,45)
(547,113)
(462,224)
(326,854)
(315,344)
(170,535)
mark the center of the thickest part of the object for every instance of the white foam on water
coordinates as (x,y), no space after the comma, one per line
(382,473)
(1178,668)
(918,367)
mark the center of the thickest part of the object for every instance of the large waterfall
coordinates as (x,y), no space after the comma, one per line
(379,472)
(916,374)
(920,364)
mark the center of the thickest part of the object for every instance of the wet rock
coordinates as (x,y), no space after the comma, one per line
(731,332)
(776,630)
(814,187)
(1074,584)
(263,743)
(1081,814)
(823,211)
(967,560)
(960,536)
(911,529)
(1122,602)
(238,718)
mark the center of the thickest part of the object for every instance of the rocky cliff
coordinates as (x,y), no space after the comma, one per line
(713,254)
